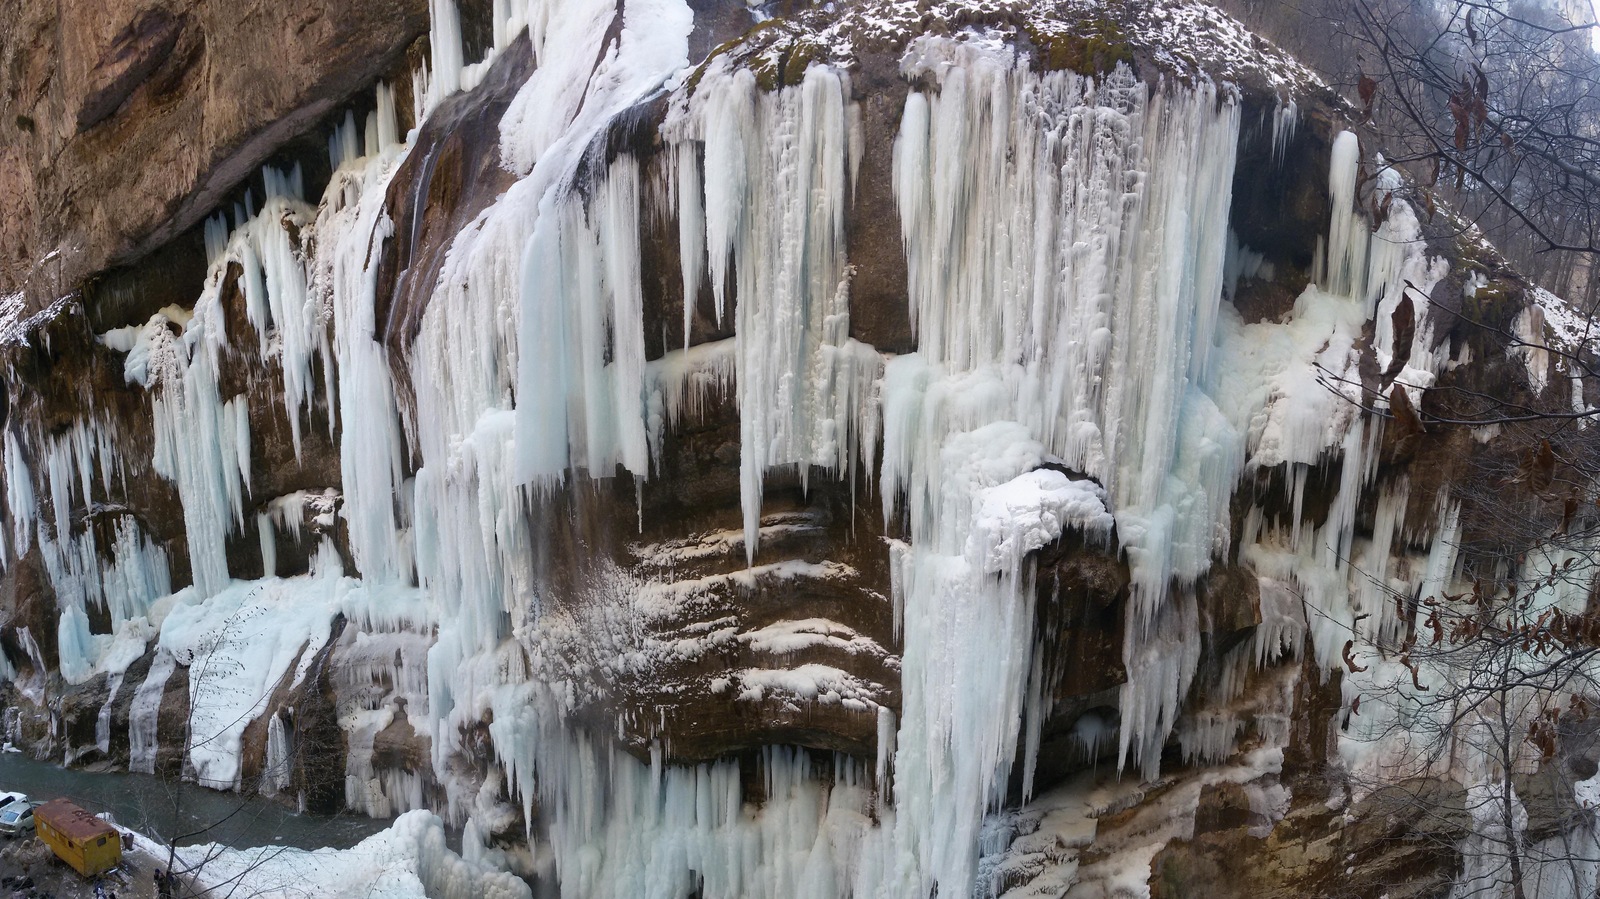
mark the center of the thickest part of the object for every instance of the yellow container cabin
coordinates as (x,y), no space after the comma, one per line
(88,844)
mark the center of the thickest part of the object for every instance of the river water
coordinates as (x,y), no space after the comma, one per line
(164,809)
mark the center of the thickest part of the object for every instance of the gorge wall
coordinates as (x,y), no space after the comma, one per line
(702,450)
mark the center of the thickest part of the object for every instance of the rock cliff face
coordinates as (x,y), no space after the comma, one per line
(716,451)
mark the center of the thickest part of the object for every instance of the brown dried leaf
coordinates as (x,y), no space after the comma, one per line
(1461,113)
(1568,510)
(1404,320)
(1349,661)
(1480,98)
(1368,89)
(1541,467)
(1416,679)
(1543,735)
(1405,415)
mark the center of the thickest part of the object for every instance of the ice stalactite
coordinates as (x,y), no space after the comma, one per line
(565,392)
(965,595)
(72,463)
(1285,122)
(1340,269)
(682,384)
(966,422)
(567,38)
(480,361)
(685,188)
(511,17)
(138,576)
(1294,389)
(1066,242)
(444,45)
(352,227)
(782,163)
(102,723)
(120,577)
(1243,264)
(1529,329)
(275,771)
(379,133)
(382,680)
(135,576)
(389,624)
(574,361)
(238,638)
(75,648)
(570,44)
(289,323)
(619,828)
(1373,591)
(20,500)
(465,365)
(202,442)
(265,534)
(1067,252)
(584,296)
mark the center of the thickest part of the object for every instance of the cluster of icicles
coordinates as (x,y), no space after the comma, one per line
(1068,251)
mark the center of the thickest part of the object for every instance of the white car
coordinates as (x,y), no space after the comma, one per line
(16,818)
(6,799)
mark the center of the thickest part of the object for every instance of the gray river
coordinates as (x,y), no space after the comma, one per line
(163,809)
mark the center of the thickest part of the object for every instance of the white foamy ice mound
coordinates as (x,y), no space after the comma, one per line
(408,861)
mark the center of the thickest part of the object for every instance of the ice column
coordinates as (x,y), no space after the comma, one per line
(288,320)
(483,406)
(352,227)
(782,163)
(588,346)
(1066,241)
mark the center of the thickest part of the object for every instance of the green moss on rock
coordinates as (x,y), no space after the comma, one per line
(1093,47)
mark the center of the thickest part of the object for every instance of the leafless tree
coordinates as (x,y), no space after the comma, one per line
(1488,689)
(1493,104)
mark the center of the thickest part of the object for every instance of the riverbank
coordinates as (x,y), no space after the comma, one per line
(29,870)
(182,812)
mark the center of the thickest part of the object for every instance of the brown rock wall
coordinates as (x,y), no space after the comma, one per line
(123,123)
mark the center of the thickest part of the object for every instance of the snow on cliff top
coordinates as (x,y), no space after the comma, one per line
(1185,38)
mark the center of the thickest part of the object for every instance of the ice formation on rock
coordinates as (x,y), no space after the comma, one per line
(1077,372)
(409,860)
